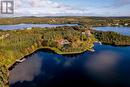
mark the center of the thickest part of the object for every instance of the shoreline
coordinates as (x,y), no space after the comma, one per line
(54,50)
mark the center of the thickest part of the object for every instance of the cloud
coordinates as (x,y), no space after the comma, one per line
(53,8)
(26,71)
(44,7)
(103,64)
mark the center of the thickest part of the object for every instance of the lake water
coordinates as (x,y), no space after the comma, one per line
(23,26)
(121,30)
(108,66)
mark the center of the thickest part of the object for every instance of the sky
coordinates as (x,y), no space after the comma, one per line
(71,8)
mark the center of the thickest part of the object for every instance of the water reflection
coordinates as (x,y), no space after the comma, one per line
(107,67)
(27,70)
(68,63)
(103,64)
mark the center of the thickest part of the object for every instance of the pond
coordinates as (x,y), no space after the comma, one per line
(121,30)
(108,66)
(23,26)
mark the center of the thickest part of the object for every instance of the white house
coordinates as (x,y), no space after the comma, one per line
(126,24)
(4,36)
(29,28)
(117,24)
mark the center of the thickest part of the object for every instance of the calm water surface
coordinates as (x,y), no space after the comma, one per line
(121,30)
(107,67)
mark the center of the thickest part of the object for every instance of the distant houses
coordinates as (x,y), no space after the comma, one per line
(29,28)
(87,32)
(4,36)
(126,24)
(117,24)
(83,33)
(53,20)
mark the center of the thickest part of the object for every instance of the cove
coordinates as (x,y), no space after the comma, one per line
(106,67)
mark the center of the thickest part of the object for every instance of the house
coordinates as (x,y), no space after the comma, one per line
(83,33)
(4,36)
(126,24)
(63,42)
(88,32)
(29,28)
(117,24)
(53,20)
(7,35)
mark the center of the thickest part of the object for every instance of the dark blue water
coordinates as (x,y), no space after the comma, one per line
(108,66)
(121,30)
(23,26)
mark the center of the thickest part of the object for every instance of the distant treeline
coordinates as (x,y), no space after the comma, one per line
(112,38)
(85,21)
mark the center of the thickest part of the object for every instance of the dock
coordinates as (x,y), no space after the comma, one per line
(21,60)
